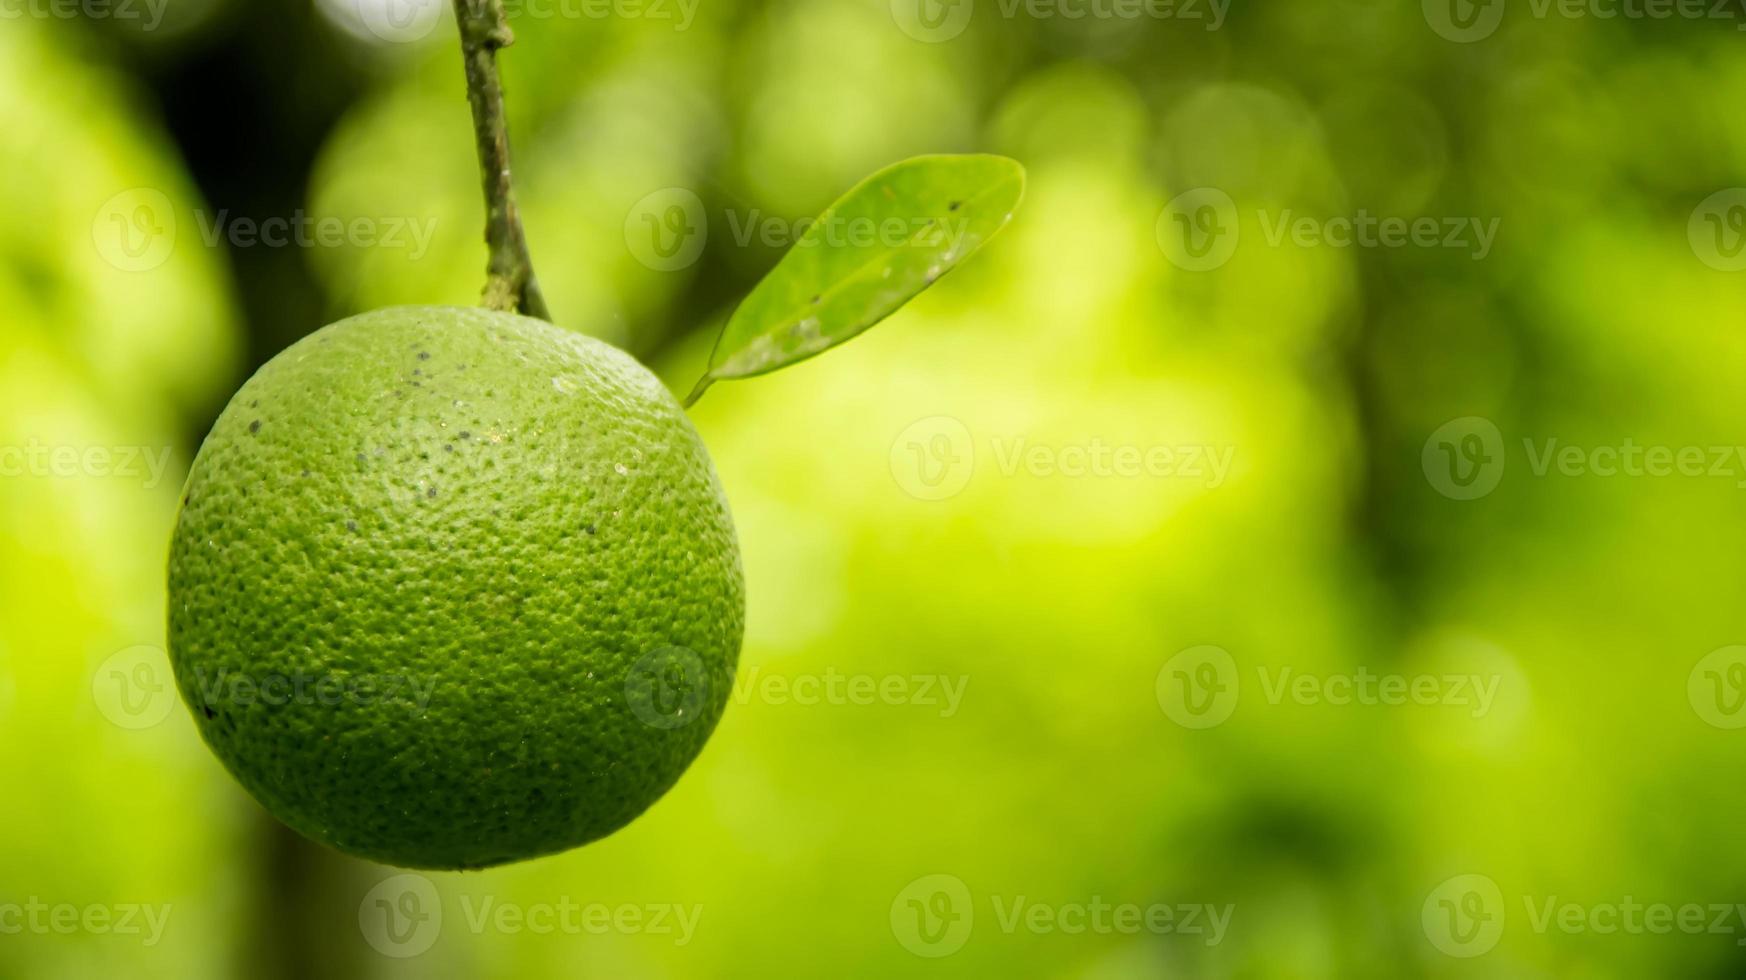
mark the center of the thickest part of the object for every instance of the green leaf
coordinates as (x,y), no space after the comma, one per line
(892,236)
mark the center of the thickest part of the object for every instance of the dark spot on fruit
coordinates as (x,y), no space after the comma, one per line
(589,528)
(352,526)
(418,372)
(815,299)
(254,426)
(255,403)
(954,205)
(431,492)
(305,474)
(424,355)
(448,447)
(466,435)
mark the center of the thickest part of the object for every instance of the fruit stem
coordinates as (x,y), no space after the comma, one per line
(703,384)
(509,276)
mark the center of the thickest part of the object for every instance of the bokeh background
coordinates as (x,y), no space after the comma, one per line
(1160,759)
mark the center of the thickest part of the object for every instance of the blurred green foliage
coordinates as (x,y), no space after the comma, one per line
(1056,601)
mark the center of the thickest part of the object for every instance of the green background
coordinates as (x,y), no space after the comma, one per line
(1609,310)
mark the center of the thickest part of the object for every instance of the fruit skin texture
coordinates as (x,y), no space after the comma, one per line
(451,588)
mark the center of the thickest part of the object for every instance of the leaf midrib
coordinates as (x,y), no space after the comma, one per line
(836,288)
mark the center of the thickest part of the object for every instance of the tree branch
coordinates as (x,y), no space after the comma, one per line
(510,283)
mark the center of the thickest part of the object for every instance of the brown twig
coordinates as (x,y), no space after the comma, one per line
(510,283)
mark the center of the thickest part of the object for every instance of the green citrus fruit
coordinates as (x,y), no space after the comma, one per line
(451,588)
